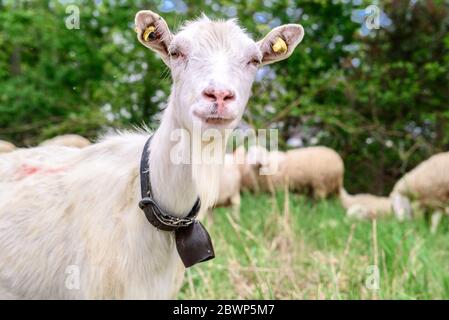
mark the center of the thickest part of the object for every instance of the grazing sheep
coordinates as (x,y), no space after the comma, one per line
(276,167)
(70,226)
(268,169)
(320,169)
(402,207)
(249,176)
(365,206)
(316,169)
(6,146)
(68,140)
(427,185)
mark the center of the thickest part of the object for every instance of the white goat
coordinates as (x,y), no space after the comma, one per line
(70,226)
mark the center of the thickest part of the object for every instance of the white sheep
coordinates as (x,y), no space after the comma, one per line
(68,140)
(267,169)
(427,185)
(6,146)
(364,205)
(70,226)
(318,170)
(249,176)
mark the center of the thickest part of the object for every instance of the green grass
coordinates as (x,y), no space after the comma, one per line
(294,248)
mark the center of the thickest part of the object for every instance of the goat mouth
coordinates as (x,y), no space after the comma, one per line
(214,119)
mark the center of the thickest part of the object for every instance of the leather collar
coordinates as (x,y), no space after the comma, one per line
(192,240)
(155,214)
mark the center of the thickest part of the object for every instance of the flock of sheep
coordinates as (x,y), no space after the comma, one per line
(318,172)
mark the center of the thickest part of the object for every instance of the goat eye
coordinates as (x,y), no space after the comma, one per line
(254,62)
(175,54)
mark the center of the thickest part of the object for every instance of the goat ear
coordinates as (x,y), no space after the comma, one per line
(280,42)
(153,32)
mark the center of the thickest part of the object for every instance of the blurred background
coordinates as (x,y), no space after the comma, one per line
(377,96)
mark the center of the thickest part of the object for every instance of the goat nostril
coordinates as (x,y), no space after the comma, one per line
(209,95)
(214,95)
(230,96)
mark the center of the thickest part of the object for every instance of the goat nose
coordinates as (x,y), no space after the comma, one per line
(219,96)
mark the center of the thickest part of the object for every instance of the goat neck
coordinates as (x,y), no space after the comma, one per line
(175,185)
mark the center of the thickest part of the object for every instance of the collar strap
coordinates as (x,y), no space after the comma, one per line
(157,216)
(192,240)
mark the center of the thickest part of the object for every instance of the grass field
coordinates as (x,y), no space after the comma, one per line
(289,247)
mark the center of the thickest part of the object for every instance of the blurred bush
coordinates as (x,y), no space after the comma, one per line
(379,97)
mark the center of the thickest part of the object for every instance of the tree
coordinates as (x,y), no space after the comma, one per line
(379,98)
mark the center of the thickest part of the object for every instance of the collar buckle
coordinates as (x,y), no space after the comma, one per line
(168,221)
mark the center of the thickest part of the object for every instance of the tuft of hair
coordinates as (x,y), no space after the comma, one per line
(142,129)
(207,181)
(207,175)
(217,29)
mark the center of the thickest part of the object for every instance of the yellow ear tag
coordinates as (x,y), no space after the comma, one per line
(148,33)
(280,46)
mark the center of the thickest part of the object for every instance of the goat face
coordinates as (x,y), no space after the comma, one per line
(213,65)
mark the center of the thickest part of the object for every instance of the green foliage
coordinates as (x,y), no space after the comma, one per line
(380,100)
